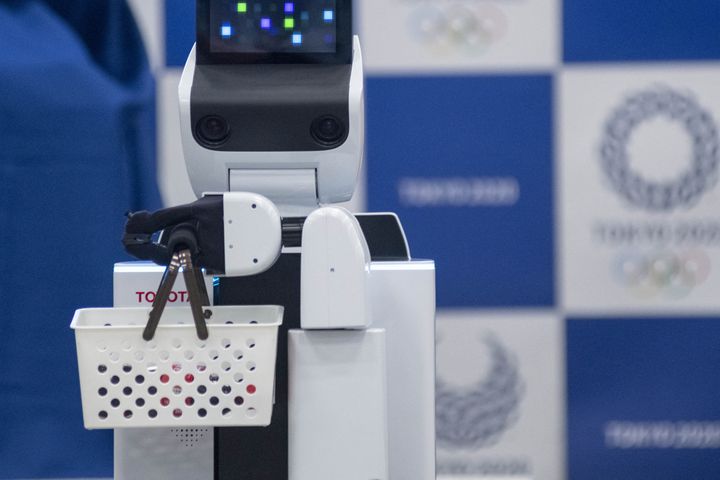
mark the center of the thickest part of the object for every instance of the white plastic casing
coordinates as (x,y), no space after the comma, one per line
(336,171)
(293,191)
(163,453)
(337,405)
(403,304)
(253,233)
(335,271)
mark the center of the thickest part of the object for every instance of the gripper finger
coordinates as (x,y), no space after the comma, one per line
(161,299)
(195,293)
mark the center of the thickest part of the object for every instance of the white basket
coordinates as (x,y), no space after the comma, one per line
(177,379)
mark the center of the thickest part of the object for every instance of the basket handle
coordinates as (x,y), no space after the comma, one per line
(196,291)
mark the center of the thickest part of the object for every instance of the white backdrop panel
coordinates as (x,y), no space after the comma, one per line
(638,165)
(500,394)
(459,35)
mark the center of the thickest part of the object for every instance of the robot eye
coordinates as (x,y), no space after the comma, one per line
(213,130)
(327,130)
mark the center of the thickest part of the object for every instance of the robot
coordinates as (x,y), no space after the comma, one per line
(272,118)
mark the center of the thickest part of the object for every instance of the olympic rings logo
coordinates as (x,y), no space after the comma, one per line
(691,184)
(469,29)
(667,274)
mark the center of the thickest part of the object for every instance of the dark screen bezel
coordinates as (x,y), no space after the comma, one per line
(342,55)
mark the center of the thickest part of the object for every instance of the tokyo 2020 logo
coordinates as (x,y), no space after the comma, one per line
(685,189)
(476,416)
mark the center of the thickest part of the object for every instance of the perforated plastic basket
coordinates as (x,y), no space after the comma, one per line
(177,379)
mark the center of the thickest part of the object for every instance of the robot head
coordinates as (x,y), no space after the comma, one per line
(272,102)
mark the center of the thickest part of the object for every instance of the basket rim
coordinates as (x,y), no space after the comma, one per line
(79,313)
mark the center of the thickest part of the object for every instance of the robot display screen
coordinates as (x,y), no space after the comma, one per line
(271,26)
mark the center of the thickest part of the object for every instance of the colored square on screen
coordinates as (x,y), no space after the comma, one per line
(258,7)
(265,23)
(289,7)
(328,15)
(305,16)
(289,23)
(242,7)
(297,39)
(226,30)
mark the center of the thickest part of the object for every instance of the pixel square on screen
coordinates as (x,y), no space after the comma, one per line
(642,398)
(641,30)
(466,162)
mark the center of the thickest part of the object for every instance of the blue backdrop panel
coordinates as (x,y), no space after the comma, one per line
(460,128)
(77,137)
(180,31)
(643,399)
(636,30)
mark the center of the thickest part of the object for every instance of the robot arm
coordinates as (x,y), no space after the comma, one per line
(229,234)
(242,234)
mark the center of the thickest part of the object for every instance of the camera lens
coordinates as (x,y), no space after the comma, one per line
(213,130)
(328,130)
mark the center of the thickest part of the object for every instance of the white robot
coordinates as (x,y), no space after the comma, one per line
(272,117)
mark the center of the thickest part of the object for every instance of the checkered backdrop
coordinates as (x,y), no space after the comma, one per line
(559,162)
